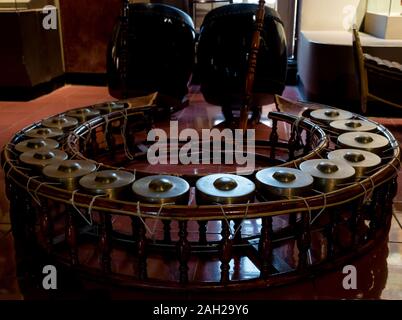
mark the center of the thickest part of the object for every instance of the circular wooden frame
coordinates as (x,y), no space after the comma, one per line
(362,208)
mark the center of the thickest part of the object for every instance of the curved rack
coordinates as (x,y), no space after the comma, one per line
(345,222)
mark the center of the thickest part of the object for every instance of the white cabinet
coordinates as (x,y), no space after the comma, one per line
(384,19)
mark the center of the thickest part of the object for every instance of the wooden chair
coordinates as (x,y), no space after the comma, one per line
(378,79)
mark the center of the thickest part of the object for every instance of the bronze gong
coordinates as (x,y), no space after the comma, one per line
(328,174)
(44,133)
(363,140)
(68,172)
(362,161)
(161,189)
(36,144)
(329,115)
(60,122)
(109,107)
(224,189)
(40,159)
(275,183)
(353,125)
(112,183)
(84,114)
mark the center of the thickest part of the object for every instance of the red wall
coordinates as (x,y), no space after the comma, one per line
(87,26)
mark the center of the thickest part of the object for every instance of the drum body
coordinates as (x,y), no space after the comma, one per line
(223,51)
(160,52)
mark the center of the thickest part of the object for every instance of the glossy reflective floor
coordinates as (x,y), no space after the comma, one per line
(379,274)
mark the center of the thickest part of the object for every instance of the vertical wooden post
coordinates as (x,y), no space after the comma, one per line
(141,249)
(292,220)
(46,226)
(274,138)
(166,231)
(94,141)
(134,229)
(292,144)
(237,227)
(105,242)
(110,142)
(18,222)
(30,220)
(71,235)
(202,230)
(330,233)
(265,247)
(374,210)
(183,251)
(226,252)
(304,241)
(357,221)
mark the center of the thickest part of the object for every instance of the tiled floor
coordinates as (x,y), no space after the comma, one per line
(380,272)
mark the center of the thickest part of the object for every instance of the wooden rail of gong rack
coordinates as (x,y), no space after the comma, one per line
(252,64)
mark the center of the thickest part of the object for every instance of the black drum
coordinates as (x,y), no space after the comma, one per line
(223,52)
(159,55)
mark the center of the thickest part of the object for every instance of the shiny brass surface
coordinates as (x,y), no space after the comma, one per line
(44,133)
(68,172)
(274,183)
(161,189)
(36,144)
(60,122)
(108,107)
(84,114)
(224,189)
(329,115)
(328,174)
(353,125)
(362,161)
(225,184)
(112,183)
(363,140)
(40,159)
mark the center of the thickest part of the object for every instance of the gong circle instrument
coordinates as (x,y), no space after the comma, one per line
(276,182)
(61,122)
(224,242)
(362,161)
(83,114)
(328,174)
(68,172)
(36,144)
(329,115)
(109,107)
(44,133)
(353,125)
(40,159)
(113,183)
(161,189)
(363,140)
(224,189)
(50,198)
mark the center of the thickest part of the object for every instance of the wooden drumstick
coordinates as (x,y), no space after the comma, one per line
(252,64)
(124,57)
